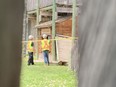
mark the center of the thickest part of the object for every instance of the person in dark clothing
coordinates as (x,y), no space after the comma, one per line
(30,48)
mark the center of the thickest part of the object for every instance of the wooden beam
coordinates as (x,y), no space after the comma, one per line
(37,13)
(46,8)
(37,22)
(44,13)
(53,29)
(31,12)
(64,9)
(74,14)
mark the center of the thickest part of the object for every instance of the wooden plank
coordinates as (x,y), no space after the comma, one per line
(46,31)
(31,12)
(64,9)
(64,28)
(64,49)
(45,13)
(62,2)
(46,8)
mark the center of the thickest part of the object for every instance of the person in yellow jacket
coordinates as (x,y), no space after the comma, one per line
(30,49)
(45,45)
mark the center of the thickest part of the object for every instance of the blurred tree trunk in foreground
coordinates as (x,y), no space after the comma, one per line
(97,43)
(11,25)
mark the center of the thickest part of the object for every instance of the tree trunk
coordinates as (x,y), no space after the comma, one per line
(11,25)
(97,43)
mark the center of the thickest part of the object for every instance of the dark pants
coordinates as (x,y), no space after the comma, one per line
(46,56)
(30,60)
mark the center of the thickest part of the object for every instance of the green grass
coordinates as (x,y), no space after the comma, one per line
(39,75)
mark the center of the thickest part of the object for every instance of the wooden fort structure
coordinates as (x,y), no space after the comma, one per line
(39,16)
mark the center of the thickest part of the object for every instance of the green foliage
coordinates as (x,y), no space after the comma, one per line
(39,75)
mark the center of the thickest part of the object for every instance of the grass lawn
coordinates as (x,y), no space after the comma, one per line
(39,75)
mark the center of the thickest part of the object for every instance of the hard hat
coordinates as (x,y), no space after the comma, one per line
(31,37)
(44,36)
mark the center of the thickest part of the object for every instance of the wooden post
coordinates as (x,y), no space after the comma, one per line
(74,11)
(37,22)
(38,12)
(53,30)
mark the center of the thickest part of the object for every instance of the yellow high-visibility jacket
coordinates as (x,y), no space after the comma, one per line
(30,46)
(45,44)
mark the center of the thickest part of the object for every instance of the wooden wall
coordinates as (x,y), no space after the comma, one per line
(44,3)
(63,49)
(64,28)
(32,4)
